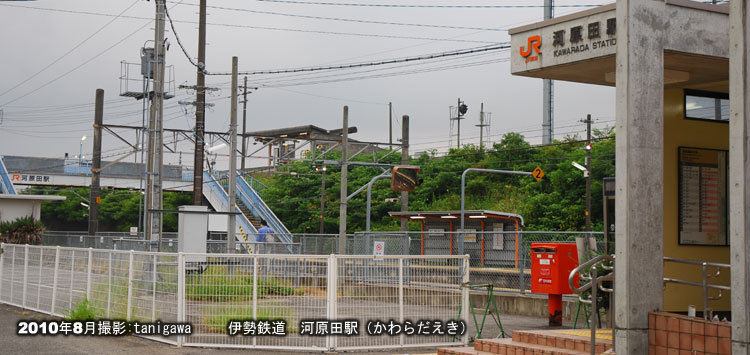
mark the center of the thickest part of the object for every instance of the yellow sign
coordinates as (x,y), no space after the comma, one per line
(538,173)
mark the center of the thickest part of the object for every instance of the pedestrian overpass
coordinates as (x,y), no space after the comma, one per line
(18,171)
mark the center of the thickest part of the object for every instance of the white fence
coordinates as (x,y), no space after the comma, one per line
(210,290)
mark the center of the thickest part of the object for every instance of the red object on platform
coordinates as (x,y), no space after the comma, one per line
(551,264)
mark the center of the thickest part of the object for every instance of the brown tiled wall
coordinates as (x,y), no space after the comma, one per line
(675,334)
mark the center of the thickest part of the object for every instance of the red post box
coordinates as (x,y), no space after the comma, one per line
(551,264)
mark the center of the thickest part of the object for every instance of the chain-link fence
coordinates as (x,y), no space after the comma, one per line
(323,303)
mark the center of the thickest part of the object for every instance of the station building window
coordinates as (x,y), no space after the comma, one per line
(706,105)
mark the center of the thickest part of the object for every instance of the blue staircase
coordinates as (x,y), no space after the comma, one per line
(6,186)
(253,205)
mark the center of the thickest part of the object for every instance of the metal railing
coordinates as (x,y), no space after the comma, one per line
(208,291)
(705,276)
(6,186)
(258,207)
(498,258)
(588,272)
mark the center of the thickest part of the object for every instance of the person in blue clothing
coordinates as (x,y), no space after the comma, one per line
(262,236)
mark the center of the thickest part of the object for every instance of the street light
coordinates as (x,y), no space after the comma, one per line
(581,168)
(80,154)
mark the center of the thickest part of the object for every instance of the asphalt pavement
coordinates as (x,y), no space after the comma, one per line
(11,343)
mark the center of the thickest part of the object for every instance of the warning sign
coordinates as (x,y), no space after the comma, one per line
(378,247)
(538,173)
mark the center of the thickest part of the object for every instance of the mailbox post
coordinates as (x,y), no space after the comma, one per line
(551,264)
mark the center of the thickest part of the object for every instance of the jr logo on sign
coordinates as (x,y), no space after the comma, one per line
(534,42)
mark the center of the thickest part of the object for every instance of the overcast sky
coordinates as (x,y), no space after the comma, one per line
(55,54)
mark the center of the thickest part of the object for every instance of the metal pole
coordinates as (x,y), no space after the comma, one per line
(481,127)
(705,291)
(130,285)
(594,310)
(588,177)
(54,278)
(181,293)
(26,275)
(232,161)
(200,109)
(244,125)
(344,167)
(96,163)
(88,273)
(390,126)
(458,121)
(369,198)
(405,161)
(463,190)
(547,90)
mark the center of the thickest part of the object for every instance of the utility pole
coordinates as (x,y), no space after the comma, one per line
(155,164)
(200,108)
(96,164)
(343,194)
(547,91)
(483,122)
(390,126)
(244,124)
(588,173)
(232,160)
(405,161)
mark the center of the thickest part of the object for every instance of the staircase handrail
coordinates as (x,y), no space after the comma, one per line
(705,275)
(594,283)
(258,207)
(256,184)
(6,186)
(213,185)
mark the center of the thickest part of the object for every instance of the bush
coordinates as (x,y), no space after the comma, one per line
(82,311)
(25,230)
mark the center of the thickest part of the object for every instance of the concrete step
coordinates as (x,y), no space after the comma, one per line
(571,339)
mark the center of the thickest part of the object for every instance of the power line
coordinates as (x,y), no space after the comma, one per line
(78,66)
(383,75)
(255,27)
(354,20)
(71,50)
(370,64)
(421,6)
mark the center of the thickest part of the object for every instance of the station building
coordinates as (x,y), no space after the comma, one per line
(680,69)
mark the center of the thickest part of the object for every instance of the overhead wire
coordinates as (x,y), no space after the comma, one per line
(70,51)
(421,6)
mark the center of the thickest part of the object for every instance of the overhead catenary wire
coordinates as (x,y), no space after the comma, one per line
(377,63)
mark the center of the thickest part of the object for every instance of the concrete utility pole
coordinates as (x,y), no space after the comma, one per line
(739,165)
(344,166)
(200,109)
(588,173)
(547,89)
(244,124)
(154,174)
(232,225)
(96,163)
(405,161)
